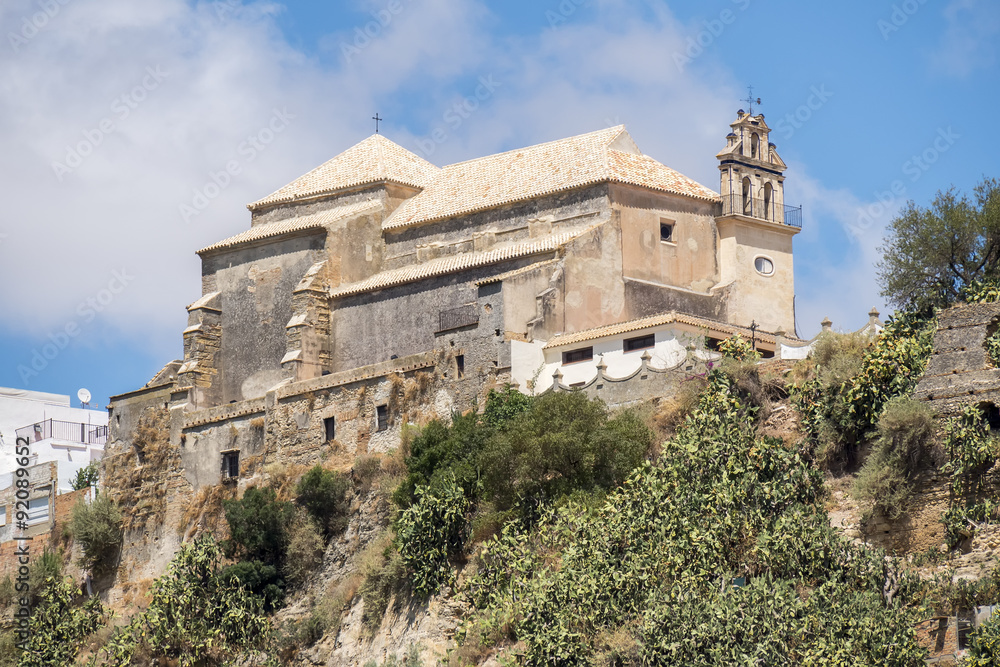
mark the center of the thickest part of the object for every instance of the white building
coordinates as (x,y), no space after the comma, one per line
(56,432)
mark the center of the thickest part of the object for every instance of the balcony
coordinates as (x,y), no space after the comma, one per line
(88,434)
(735,204)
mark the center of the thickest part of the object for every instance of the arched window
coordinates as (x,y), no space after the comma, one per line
(767,201)
(754,145)
(747,202)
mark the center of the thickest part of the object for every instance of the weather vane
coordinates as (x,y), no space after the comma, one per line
(377,120)
(750,100)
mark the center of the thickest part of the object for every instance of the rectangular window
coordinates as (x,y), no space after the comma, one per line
(460,363)
(573,356)
(330,428)
(38,510)
(230,465)
(3,515)
(667,230)
(382,413)
(639,343)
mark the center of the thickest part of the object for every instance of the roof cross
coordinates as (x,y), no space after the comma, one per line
(750,100)
(377,121)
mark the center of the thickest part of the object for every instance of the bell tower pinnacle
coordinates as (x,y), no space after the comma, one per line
(754,226)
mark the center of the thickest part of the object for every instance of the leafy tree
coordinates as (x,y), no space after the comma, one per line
(931,254)
(259,579)
(323,493)
(97,527)
(258,526)
(504,405)
(564,443)
(442,454)
(86,477)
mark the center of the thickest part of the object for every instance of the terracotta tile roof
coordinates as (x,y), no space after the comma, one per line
(653,321)
(603,156)
(373,160)
(455,263)
(269,229)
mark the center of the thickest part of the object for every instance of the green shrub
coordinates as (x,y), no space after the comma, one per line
(984,644)
(9,652)
(44,571)
(323,493)
(305,549)
(503,405)
(903,445)
(258,526)
(59,625)
(842,404)
(195,616)
(442,453)
(86,477)
(429,532)
(565,443)
(97,528)
(257,578)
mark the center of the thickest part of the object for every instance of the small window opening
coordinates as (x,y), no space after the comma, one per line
(330,428)
(754,145)
(991,414)
(460,365)
(639,343)
(230,465)
(666,231)
(764,266)
(767,201)
(574,356)
(712,344)
(382,415)
(747,202)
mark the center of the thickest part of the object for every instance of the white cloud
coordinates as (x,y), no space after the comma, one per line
(968,43)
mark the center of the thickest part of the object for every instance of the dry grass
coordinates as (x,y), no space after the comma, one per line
(671,411)
(205,512)
(283,477)
(257,422)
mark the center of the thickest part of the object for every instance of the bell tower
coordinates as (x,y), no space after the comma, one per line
(755,228)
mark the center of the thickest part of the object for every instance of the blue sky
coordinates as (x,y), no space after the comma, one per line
(118,119)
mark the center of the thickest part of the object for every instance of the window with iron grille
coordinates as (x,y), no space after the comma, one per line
(583,354)
(230,465)
(639,343)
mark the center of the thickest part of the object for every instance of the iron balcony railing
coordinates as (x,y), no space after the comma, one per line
(735,204)
(89,434)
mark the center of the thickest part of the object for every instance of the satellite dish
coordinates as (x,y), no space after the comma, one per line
(83,395)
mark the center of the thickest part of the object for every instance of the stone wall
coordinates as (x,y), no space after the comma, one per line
(959,371)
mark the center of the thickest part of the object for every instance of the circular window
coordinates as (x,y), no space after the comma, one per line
(764,266)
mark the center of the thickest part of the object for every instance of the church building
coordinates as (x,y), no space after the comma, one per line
(378,254)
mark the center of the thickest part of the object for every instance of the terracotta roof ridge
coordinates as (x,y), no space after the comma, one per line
(552,142)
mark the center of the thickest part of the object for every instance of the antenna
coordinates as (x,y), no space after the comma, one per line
(84,396)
